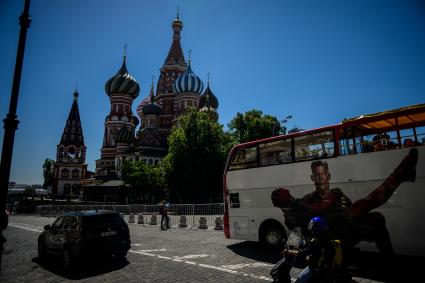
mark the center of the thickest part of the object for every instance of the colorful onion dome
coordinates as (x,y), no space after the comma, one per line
(152,107)
(208,99)
(143,103)
(122,82)
(124,135)
(188,82)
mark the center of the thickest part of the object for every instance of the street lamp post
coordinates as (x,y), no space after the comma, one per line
(11,122)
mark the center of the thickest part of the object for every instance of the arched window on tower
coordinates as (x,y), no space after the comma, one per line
(71,152)
(65,173)
(75,174)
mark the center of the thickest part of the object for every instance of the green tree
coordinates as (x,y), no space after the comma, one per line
(253,125)
(48,172)
(146,182)
(295,129)
(198,148)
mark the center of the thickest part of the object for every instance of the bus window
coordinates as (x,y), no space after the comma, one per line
(420,135)
(367,143)
(277,152)
(390,140)
(234,200)
(244,158)
(313,146)
(350,146)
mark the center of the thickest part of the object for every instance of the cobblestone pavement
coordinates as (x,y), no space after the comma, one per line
(174,255)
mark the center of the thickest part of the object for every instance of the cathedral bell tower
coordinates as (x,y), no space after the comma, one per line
(70,165)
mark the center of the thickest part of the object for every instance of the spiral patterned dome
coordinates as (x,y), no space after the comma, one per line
(143,103)
(122,82)
(151,109)
(124,136)
(188,82)
(208,99)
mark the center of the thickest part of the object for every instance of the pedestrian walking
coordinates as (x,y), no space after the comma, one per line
(163,210)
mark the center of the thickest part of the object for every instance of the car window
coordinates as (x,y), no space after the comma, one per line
(69,222)
(57,223)
(97,222)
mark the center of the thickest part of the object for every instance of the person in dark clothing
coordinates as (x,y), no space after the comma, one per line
(163,210)
(350,222)
(324,253)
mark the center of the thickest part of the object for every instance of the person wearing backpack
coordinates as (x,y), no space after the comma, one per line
(323,253)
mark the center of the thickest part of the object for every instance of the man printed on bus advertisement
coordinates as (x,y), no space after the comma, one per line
(351,222)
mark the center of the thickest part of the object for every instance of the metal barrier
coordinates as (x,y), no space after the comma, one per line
(192,212)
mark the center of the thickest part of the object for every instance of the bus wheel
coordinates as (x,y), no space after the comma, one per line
(272,236)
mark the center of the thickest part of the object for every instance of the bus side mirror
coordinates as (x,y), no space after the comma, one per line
(47,227)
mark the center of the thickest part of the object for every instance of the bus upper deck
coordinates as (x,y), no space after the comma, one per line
(399,128)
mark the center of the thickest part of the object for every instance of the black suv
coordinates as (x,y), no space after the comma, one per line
(75,235)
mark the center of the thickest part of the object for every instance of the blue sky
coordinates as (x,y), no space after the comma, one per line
(320,61)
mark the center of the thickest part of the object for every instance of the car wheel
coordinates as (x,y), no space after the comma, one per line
(273,236)
(41,250)
(67,259)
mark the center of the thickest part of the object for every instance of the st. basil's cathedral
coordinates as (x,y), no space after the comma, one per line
(177,89)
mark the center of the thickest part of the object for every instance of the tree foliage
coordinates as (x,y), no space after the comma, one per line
(48,172)
(295,129)
(146,182)
(253,125)
(198,148)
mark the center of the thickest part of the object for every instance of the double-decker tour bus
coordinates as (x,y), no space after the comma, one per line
(366,176)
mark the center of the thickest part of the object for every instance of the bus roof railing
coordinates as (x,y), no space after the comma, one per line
(391,119)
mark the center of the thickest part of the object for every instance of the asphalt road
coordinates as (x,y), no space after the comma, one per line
(174,255)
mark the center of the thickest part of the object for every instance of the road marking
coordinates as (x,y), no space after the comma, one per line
(181,259)
(25,228)
(191,256)
(154,250)
(243,265)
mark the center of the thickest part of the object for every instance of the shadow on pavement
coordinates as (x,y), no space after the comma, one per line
(86,269)
(369,265)
(256,251)
(379,267)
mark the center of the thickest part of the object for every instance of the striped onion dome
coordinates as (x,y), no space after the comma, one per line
(122,82)
(124,136)
(145,101)
(208,98)
(188,82)
(151,109)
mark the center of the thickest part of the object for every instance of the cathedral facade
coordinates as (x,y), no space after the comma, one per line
(178,88)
